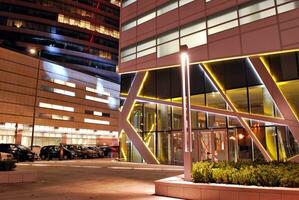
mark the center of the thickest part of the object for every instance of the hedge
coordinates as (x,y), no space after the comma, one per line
(274,174)
(7,165)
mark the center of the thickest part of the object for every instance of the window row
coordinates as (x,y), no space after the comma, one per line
(62,82)
(171,5)
(56,117)
(97,99)
(61,6)
(96,121)
(56,107)
(57,130)
(99,90)
(87,25)
(18,23)
(195,34)
(97,113)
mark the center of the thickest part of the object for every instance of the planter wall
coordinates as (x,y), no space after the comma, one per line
(178,188)
(17,177)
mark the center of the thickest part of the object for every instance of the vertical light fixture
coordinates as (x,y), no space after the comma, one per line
(186,112)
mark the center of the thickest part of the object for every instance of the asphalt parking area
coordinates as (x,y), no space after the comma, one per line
(88,179)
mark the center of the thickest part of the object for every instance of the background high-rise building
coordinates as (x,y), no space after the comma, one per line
(80,34)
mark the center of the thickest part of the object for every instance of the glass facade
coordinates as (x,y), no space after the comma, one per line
(217,137)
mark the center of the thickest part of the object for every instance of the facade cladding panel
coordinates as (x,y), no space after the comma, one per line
(244,58)
(54,100)
(82,35)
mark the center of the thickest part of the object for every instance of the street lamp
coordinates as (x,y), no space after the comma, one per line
(186,112)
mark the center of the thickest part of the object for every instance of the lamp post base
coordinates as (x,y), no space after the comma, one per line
(187,166)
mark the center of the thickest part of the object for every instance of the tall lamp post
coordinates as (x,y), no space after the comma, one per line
(186,112)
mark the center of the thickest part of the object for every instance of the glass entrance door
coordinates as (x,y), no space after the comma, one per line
(211,145)
(177,151)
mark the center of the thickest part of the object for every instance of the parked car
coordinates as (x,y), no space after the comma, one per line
(107,151)
(55,151)
(99,152)
(5,156)
(19,152)
(82,152)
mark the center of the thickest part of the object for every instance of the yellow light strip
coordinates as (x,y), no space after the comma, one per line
(144,143)
(265,63)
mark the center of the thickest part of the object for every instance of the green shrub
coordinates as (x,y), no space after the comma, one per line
(202,172)
(7,165)
(247,173)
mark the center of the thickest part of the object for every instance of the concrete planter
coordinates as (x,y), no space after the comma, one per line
(178,188)
(17,177)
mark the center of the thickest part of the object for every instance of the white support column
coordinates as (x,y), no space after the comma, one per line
(186,113)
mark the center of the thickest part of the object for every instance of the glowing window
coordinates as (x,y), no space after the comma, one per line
(56,107)
(96,121)
(96,99)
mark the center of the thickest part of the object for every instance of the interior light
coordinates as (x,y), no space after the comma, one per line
(32,51)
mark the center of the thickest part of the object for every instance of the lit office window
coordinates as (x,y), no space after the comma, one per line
(192,34)
(146,48)
(195,39)
(287,7)
(128,54)
(194,27)
(61,117)
(223,27)
(167,7)
(129,25)
(64,92)
(87,25)
(168,37)
(61,82)
(97,91)
(115,2)
(168,48)
(219,19)
(96,121)
(256,11)
(56,107)
(168,43)
(127,2)
(97,113)
(256,7)
(105,55)
(96,99)
(146,18)
(222,22)
(184,2)
(58,91)
(128,58)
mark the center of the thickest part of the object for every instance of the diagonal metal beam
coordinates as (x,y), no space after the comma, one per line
(218,111)
(242,121)
(262,68)
(125,125)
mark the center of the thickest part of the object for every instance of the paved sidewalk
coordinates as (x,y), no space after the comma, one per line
(88,179)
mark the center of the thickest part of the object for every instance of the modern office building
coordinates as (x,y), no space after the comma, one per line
(244,79)
(54,104)
(57,67)
(79,34)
